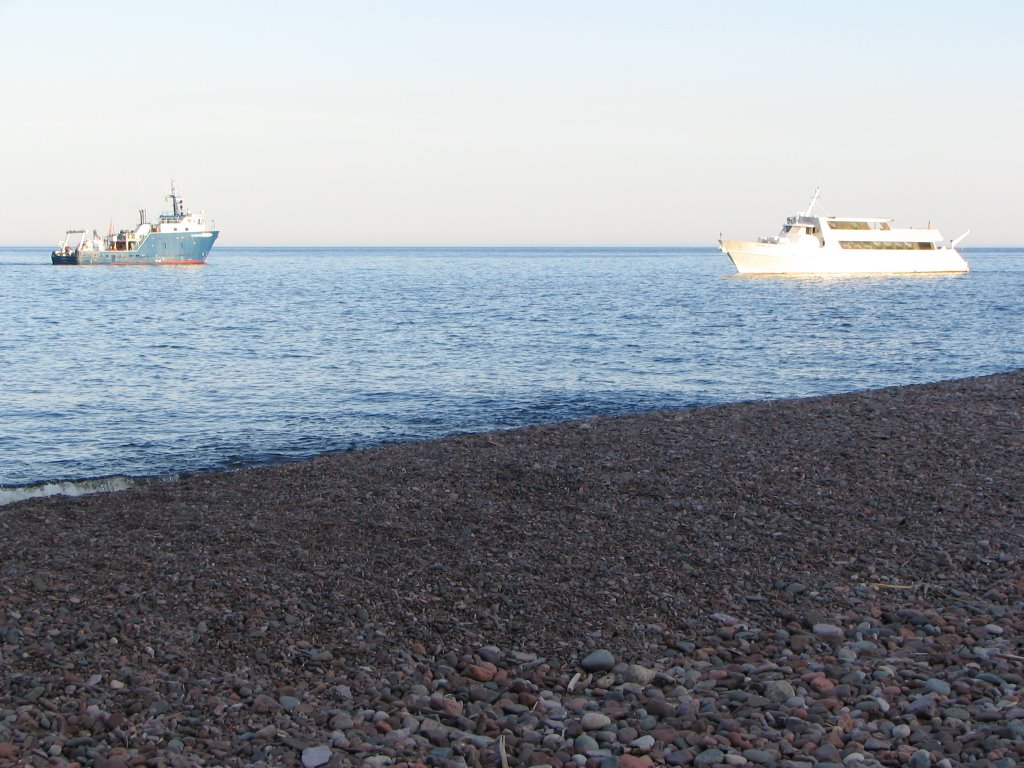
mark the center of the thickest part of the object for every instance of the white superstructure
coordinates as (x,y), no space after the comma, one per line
(812,244)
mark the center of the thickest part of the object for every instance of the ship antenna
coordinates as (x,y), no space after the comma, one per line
(175,203)
(814,199)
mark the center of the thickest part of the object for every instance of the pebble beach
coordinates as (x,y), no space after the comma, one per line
(832,581)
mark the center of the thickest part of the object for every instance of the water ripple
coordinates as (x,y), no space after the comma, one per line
(268,355)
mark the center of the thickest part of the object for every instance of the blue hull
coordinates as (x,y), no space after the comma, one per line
(157,248)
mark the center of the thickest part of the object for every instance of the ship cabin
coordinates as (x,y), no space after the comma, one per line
(181,219)
(856,233)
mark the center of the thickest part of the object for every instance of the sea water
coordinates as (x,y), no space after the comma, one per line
(273,354)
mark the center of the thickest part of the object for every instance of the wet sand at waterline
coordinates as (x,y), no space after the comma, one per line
(820,581)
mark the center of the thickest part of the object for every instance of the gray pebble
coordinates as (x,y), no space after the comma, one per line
(638,674)
(600,660)
(315,756)
(709,757)
(921,705)
(288,702)
(829,632)
(491,653)
(644,743)
(594,721)
(779,690)
(761,756)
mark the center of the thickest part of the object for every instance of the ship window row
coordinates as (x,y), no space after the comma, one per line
(884,225)
(887,245)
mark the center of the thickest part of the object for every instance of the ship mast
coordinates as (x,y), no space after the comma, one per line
(175,201)
(814,200)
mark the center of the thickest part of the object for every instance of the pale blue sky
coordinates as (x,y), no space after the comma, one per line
(474,123)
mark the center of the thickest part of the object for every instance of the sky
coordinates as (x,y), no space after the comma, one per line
(534,122)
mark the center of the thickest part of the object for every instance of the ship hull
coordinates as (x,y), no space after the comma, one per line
(751,258)
(159,248)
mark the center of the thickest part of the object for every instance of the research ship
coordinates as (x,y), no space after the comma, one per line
(179,236)
(813,244)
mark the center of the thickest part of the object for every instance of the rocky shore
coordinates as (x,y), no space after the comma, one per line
(833,581)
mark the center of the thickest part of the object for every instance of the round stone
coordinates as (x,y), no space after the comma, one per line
(644,743)
(315,756)
(779,690)
(594,721)
(829,632)
(709,757)
(637,674)
(491,653)
(600,660)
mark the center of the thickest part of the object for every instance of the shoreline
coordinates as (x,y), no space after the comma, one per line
(843,549)
(67,487)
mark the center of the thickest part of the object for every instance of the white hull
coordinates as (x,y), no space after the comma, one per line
(752,258)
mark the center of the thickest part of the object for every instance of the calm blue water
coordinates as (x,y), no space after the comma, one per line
(274,354)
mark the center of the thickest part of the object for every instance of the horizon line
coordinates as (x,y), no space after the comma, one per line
(714,246)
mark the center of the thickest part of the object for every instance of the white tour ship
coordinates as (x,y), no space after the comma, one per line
(812,244)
